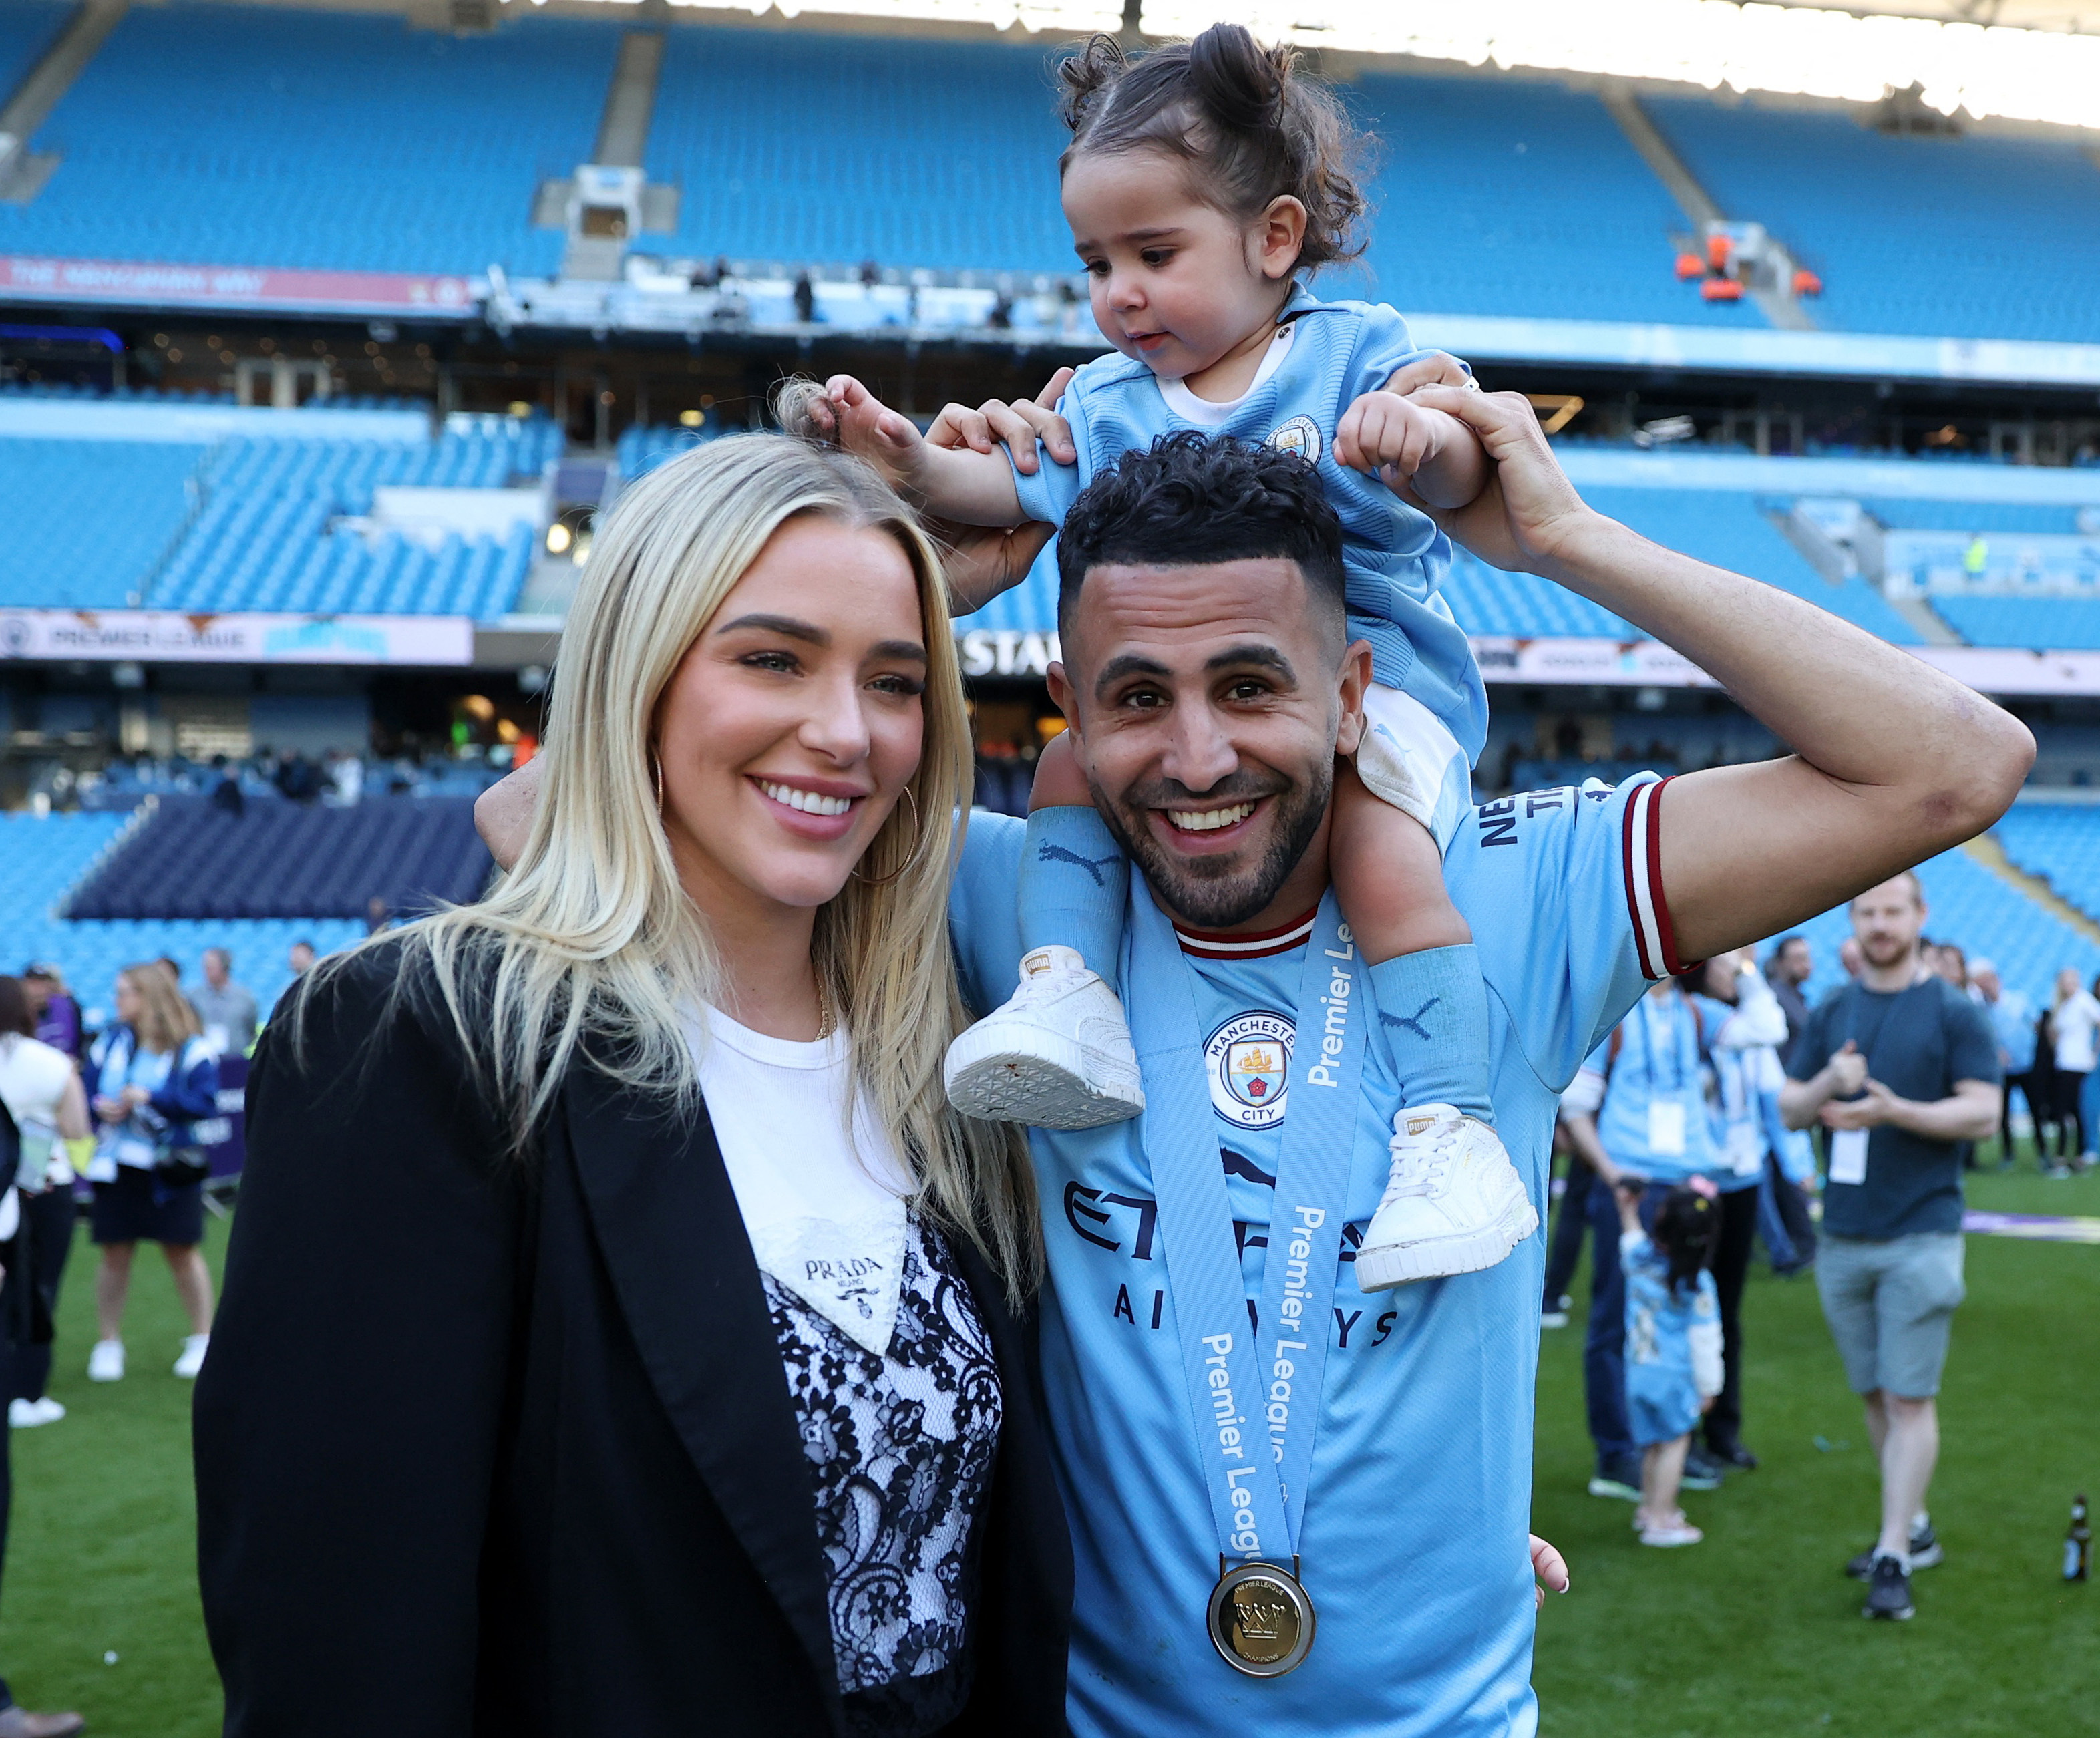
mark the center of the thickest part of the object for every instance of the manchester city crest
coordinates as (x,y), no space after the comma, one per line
(1249,1061)
(1301,435)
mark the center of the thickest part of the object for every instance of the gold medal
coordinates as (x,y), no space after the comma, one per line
(1261,1619)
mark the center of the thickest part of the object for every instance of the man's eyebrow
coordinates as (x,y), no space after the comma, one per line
(1255,655)
(807,631)
(1130,664)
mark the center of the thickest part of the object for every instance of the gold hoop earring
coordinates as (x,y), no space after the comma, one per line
(918,844)
(656,767)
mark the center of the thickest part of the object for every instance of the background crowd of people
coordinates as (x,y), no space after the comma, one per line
(1728,1111)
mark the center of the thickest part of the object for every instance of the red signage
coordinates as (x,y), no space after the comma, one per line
(129,283)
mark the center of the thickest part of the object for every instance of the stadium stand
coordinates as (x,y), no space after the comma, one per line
(1910,234)
(2060,842)
(41,856)
(2031,624)
(26,30)
(863,147)
(1987,517)
(279,859)
(262,541)
(640,450)
(322,140)
(1987,915)
(1485,600)
(1491,196)
(1518,196)
(1732,530)
(67,549)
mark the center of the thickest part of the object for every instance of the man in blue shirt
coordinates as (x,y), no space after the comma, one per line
(1206,673)
(2012,1016)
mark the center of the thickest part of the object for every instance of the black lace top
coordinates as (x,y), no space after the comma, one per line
(901,1446)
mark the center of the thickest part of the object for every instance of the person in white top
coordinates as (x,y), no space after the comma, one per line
(2073,1017)
(43,1092)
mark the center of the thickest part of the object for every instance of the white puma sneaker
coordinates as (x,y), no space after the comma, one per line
(1058,1055)
(1453,1204)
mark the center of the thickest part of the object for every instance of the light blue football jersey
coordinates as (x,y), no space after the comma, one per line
(1396,556)
(1414,1542)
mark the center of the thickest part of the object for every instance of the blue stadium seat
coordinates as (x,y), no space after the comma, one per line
(41,857)
(2061,843)
(289,860)
(67,548)
(1986,916)
(1988,517)
(238,135)
(1909,234)
(2032,623)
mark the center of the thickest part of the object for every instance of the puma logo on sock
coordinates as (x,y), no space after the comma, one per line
(1412,1022)
(1056,853)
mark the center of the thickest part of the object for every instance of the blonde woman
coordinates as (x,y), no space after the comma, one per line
(153,1078)
(622,1332)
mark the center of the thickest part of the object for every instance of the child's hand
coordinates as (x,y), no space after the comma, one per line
(1549,1566)
(1392,436)
(865,427)
(1017,424)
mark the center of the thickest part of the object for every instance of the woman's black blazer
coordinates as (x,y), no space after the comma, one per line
(496,1447)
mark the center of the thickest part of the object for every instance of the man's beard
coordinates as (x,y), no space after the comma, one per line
(1883,952)
(1217,892)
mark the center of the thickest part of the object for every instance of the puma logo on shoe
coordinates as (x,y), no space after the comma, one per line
(1047,852)
(1420,1125)
(1412,1022)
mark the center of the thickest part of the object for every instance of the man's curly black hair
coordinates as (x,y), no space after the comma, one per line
(1192,499)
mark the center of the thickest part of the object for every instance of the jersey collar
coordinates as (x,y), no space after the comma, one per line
(1207,944)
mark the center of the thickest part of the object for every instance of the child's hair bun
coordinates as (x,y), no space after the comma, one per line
(1238,83)
(1085,77)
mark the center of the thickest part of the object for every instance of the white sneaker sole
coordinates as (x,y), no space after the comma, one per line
(989,1077)
(1444,1257)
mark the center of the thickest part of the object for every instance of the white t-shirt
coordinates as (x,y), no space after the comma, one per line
(33,1077)
(825,1210)
(2077,1023)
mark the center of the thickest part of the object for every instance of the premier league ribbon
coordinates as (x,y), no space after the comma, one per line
(1253,1390)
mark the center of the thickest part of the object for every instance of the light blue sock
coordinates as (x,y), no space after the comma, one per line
(1074,880)
(1433,1023)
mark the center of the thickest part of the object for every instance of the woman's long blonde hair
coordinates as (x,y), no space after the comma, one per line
(590,941)
(165,1017)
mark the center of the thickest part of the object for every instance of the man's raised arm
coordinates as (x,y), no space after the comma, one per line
(1893,761)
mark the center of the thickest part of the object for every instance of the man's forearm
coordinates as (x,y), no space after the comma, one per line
(1893,761)
(1971,1114)
(1800,1099)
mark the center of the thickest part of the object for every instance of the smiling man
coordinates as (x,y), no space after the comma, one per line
(1297,1507)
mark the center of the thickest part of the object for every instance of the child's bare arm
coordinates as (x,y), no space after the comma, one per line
(968,484)
(1388,875)
(1061,782)
(1427,458)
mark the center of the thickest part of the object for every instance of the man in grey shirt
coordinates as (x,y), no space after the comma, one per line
(225,1009)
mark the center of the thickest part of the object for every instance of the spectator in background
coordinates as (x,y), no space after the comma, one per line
(378,915)
(1791,965)
(1565,1248)
(349,775)
(153,1077)
(296,779)
(1902,1069)
(300,959)
(225,1010)
(42,1089)
(1952,964)
(2012,1017)
(2074,1019)
(57,1014)
(1848,956)
(226,793)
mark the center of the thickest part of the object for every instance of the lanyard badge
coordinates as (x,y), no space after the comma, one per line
(1254,1392)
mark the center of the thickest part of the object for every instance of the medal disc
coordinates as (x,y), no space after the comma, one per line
(1261,1620)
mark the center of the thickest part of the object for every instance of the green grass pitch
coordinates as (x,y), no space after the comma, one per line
(1753,1632)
